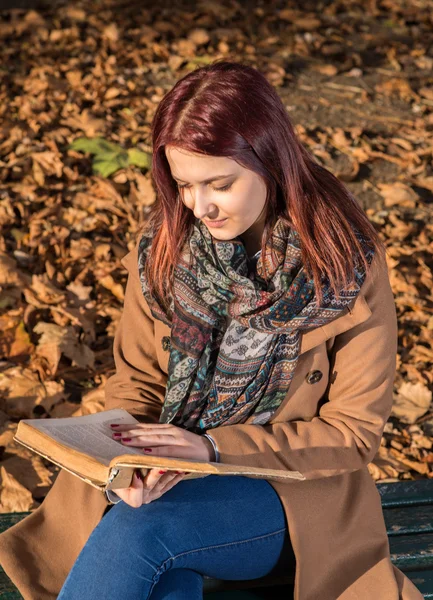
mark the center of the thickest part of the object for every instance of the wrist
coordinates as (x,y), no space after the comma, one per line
(212,455)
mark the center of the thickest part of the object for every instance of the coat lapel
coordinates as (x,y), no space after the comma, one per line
(357,312)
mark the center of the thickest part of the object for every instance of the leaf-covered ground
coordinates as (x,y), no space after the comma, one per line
(356,80)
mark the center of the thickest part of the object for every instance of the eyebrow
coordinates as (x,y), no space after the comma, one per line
(207,180)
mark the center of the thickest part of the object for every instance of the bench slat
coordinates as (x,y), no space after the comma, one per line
(406,493)
(211,584)
(412,552)
(7,590)
(408,519)
(9,519)
(423,580)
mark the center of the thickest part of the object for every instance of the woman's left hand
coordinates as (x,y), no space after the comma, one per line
(164,439)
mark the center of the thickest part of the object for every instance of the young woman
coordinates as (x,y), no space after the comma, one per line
(259,329)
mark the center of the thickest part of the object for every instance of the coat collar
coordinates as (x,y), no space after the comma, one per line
(356,312)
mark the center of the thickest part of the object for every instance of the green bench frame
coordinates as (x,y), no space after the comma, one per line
(408,512)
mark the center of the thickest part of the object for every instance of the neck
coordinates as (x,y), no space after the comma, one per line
(252,243)
(252,237)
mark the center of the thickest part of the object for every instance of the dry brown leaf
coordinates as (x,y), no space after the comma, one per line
(14,339)
(396,85)
(308,23)
(115,288)
(143,193)
(7,435)
(84,121)
(65,409)
(111,32)
(93,401)
(411,402)
(14,497)
(50,162)
(329,70)
(22,391)
(199,36)
(398,193)
(10,275)
(82,248)
(81,291)
(45,290)
(56,341)
(422,468)
(102,252)
(31,473)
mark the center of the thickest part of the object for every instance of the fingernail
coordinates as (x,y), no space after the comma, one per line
(139,475)
(126,439)
(114,425)
(117,435)
(162,472)
(147,449)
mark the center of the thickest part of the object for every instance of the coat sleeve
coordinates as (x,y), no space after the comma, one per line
(346,433)
(138,384)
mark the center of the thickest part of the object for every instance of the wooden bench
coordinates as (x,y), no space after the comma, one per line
(408,511)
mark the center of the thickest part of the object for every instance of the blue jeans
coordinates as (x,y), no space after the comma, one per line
(226,527)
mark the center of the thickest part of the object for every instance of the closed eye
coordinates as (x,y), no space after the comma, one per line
(226,188)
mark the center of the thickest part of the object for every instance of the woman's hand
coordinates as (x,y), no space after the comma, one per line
(159,439)
(154,485)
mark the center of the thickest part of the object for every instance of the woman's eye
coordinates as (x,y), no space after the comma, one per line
(222,189)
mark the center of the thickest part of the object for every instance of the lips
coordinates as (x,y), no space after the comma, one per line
(216,223)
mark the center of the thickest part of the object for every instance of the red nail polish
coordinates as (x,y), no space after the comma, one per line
(162,472)
(113,425)
(126,439)
(139,475)
(147,449)
(117,435)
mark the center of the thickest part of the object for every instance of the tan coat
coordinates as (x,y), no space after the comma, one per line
(327,428)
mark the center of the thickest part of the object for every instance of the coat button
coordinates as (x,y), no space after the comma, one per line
(314,376)
(165,342)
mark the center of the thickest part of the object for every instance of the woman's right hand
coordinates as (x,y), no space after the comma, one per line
(154,485)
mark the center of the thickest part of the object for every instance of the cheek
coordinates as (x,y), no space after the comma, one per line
(251,204)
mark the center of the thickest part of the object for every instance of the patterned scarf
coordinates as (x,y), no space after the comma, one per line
(235,341)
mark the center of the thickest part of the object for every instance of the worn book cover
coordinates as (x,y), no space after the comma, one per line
(84,447)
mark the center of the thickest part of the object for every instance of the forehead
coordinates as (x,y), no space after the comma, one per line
(191,166)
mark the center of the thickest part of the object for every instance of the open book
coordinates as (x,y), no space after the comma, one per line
(84,447)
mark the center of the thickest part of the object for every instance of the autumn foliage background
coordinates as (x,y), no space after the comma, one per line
(356,80)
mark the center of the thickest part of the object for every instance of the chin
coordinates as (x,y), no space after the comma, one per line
(220,234)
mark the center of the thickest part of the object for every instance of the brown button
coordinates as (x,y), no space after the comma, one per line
(314,376)
(165,343)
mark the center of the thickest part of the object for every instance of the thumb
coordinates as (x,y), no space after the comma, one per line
(136,490)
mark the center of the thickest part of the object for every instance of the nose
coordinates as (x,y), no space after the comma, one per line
(202,208)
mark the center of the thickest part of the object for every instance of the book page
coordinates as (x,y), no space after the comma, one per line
(90,434)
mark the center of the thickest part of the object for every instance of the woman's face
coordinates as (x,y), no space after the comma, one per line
(236,195)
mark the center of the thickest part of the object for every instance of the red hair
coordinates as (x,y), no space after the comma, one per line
(230,109)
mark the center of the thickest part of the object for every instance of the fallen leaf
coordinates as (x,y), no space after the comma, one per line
(14,497)
(56,340)
(411,402)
